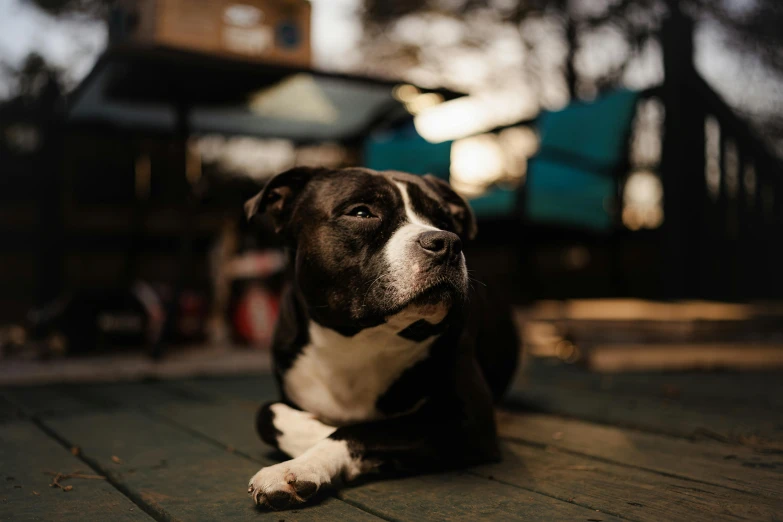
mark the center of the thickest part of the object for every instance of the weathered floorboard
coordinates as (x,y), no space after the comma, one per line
(45,400)
(186,449)
(655,414)
(726,466)
(132,395)
(116,430)
(584,481)
(260,388)
(731,423)
(176,474)
(448,496)
(230,423)
(628,492)
(759,390)
(458,496)
(26,453)
(734,467)
(8,411)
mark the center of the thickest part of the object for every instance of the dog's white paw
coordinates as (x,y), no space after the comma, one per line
(287,484)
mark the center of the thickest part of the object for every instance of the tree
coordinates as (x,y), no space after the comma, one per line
(25,79)
(572,48)
(93,8)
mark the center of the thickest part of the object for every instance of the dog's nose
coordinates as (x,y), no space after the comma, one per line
(443,245)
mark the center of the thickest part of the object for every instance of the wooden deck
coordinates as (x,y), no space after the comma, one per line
(587,448)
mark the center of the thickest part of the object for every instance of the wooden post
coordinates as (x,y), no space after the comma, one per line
(51,245)
(682,163)
(184,279)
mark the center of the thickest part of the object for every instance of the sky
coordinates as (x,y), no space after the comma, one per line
(72,44)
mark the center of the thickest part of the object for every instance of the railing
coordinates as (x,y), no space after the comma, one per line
(723,189)
(744,203)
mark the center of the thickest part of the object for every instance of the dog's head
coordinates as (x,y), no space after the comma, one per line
(368,245)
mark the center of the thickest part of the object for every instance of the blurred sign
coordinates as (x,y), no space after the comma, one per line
(266,30)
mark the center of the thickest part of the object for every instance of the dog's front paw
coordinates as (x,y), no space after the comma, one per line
(287,484)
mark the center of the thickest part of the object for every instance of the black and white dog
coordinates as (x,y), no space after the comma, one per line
(383,353)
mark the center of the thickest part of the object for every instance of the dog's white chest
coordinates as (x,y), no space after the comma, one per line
(339,379)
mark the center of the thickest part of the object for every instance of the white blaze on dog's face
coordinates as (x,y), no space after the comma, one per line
(370,245)
(416,253)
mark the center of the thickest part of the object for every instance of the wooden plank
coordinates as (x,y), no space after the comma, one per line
(178,475)
(727,422)
(463,497)
(8,410)
(762,390)
(447,496)
(26,453)
(45,400)
(196,360)
(209,420)
(627,492)
(709,462)
(231,423)
(145,394)
(611,358)
(260,388)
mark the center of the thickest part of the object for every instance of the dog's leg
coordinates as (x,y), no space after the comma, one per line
(419,441)
(291,431)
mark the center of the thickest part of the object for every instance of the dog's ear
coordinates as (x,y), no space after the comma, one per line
(278,197)
(457,205)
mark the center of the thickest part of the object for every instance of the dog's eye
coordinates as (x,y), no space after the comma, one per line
(361,212)
(443,225)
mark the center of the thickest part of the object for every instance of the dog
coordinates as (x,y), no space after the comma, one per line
(385,356)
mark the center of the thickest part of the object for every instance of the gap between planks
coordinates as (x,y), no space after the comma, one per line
(159,516)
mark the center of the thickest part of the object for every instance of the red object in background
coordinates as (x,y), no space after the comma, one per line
(255,315)
(192,314)
(256,277)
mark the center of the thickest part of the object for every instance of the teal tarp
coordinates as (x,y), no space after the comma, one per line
(570,196)
(496,202)
(572,180)
(405,150)
(594,132)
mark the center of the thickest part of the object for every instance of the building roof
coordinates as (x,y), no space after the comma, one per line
(142,89)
